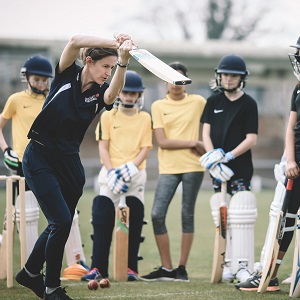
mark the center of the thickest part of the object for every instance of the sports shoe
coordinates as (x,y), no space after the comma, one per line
(81,262)
(181,274)
(227,275)
(36,284)
(58,294)
(258,267)
(287,280)
(131,275)
(160,275)
(252,283)
(92,274)
(243,273)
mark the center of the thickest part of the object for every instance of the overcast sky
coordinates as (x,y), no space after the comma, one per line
(60,19)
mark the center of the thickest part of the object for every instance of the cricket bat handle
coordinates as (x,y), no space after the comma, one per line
(224,192)
(122,202)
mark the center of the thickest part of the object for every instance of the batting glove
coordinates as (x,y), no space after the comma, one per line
(227,157)
(127,171)
(221,172)
(115,183)
(211,158)
(279,172)
(11,159)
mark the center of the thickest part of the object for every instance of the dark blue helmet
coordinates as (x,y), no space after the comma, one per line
(133,82)
(37,65)
(232,64)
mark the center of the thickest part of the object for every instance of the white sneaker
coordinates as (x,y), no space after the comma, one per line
(0,239)
(227,275)
(257,268)
(287,280)
(243,273)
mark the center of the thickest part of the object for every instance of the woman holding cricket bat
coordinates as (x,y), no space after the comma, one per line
(51,161)
(124,136)
(176,124)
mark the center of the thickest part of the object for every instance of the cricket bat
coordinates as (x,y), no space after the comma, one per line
(220,239)
(158,67)
(3,247)
(295,282)
(275,241)
(121,240)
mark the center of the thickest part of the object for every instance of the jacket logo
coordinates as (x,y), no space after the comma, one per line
(217,111)
(91,98)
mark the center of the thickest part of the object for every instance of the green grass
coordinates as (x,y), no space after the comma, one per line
(199,265)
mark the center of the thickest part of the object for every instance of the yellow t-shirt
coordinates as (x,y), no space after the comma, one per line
(22,108)
(181,121)
(126,135)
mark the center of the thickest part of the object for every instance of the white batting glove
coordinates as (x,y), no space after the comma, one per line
(11,159)
(221,172)
(279,172)
(228,157)
(115,183)
(209,159)
(127,171)
(120,187)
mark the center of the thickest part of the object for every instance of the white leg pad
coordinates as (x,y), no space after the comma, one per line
(275,207)
(32,213)
(242,214)
(73,247)
(215,201)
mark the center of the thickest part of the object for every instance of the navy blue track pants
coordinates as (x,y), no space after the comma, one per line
(57,181)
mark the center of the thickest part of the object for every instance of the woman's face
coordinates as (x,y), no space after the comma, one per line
(100,70)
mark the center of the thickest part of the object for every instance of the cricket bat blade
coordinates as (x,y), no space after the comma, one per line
(220,239)
(271,259)
(158,67)
(121,241)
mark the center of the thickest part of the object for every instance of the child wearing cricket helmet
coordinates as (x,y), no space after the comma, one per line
(124,136)
(230,126)
(21,108)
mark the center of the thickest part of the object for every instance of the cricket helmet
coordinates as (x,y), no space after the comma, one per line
(36,65)
(231,64)
(295,59)
(133,82)
(297,44)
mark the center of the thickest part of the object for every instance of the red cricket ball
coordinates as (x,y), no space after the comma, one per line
(93,285)
(104,283)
